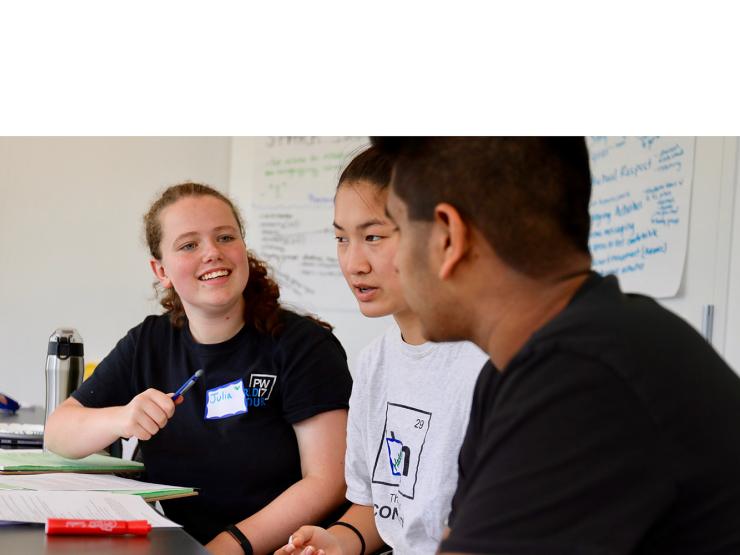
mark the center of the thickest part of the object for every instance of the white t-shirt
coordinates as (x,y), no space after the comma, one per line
(408,414)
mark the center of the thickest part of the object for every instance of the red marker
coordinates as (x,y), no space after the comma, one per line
(85,527)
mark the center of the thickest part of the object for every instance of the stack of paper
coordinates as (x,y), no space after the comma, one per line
(38,506)
(70,481)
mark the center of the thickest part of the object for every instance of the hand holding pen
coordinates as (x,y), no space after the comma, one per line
(149,411)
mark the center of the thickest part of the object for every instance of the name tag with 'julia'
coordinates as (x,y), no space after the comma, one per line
(225,400)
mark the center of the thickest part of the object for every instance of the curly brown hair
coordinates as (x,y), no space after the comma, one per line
(262,306)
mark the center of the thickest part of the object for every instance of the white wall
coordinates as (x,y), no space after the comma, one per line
(706,271)
(71,240)
(732,337)
(72,249)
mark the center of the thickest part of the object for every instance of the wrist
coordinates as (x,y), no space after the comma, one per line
(239,537)
(118,421)
(351,532)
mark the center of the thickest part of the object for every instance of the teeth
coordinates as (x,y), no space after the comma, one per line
(214,275)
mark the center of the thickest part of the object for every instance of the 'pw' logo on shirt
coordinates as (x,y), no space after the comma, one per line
(261,385)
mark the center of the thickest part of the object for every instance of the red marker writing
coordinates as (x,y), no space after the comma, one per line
(85,527)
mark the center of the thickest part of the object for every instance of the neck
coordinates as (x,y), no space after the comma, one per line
(524,305)
(410,327)
(211,328)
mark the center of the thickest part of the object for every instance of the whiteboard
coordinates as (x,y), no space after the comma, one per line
(285,188)
(293,208)
(640,200)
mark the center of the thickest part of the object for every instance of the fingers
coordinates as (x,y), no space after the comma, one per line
(162,400)
(157,407)
(290,549)
(301,537)
(146,414)
(295,542)
(300,543)
(139,432)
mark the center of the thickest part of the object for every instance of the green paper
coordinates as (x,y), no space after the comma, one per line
(49,462)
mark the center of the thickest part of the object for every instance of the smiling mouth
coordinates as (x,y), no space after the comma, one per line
(214,275)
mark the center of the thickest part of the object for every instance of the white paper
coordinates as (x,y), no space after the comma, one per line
(640,206)
(72,481)
(39,506)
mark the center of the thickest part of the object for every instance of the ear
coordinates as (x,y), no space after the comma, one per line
(454,238)
(160,273)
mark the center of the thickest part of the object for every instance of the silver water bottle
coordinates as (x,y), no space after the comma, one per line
(65,367)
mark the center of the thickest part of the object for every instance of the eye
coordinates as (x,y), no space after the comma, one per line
(187,246)
(226,238)
(341,240)
(373,238)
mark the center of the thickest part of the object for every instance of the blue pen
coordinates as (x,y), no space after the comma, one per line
(187,385)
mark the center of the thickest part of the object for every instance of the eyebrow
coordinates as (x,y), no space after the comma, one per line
(192,233)
(363,225)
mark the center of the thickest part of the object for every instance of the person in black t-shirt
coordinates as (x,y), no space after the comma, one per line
(611,426)
(262,432)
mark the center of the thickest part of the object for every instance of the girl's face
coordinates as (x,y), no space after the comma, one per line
(203,257)
(366,245)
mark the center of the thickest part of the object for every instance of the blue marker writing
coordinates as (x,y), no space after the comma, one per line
(187,385)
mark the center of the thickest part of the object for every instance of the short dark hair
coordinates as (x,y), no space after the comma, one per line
(529,196)
(372,164)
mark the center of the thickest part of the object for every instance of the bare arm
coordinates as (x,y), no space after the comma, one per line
(321,444)
(338,540)
(75,431)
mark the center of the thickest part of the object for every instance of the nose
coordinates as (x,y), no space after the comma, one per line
(211,251)
(357,262)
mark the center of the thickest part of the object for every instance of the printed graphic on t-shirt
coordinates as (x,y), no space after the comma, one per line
(259,390)
(264,383)
(401,447)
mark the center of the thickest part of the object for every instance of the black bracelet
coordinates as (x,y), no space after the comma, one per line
(239,536)
(355,530)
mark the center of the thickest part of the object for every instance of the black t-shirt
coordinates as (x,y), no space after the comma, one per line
(615,429)
(240,462)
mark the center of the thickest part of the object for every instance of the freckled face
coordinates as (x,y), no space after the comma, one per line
(366,245)
(203,256)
